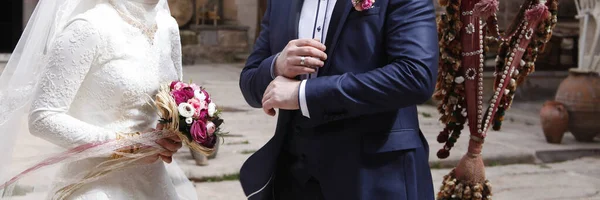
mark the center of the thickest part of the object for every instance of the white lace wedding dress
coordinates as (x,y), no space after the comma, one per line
(103,70)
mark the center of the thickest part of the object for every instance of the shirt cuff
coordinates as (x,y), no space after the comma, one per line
(273,65)
(302,99)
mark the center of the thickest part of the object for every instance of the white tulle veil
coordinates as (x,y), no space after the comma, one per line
(17,84)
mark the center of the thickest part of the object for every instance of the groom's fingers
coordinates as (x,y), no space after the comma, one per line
(267,95)
(309,62)
(268,108)
(308,51)
(310,42)
(303,70)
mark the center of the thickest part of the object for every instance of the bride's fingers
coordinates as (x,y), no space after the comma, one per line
(167,153)
(169,145)
(151,159)
(159,126)
(166,159)
(174,139)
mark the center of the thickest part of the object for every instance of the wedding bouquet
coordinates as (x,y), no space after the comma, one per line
(184,109)
(188,110)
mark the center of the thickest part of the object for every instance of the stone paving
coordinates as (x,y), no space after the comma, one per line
(572,180)
(516,156)
(520,142)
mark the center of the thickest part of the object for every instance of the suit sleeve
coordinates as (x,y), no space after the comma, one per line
(256,75)
(409,79)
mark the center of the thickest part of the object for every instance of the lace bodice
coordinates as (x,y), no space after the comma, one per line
(102,73)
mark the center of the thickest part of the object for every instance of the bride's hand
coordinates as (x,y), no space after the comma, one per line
(171,145)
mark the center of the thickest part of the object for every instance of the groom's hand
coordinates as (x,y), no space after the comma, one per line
(290,62)
(282,93)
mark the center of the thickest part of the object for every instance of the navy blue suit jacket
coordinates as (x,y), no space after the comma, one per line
(382,62)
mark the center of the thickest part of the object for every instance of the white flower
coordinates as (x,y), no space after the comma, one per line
(186,110)
(200,95)
(212,108)
(189,120)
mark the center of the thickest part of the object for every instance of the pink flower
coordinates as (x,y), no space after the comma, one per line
(177,85)
(211,128)
(195,87)
(203,105)
(361,5)
(197,105)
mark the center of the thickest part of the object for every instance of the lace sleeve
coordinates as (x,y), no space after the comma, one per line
(176,51)
(70,59)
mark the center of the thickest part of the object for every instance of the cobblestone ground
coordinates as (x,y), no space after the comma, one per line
(521,165)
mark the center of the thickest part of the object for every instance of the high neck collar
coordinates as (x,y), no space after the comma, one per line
(142,11)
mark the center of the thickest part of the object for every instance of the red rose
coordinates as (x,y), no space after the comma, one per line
(180,97)
(200,134)
(183,95)
(203,114)
(189,92)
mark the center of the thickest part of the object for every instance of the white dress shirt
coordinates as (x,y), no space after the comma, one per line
(314,23)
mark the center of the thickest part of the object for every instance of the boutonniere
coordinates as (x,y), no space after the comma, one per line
(361,5)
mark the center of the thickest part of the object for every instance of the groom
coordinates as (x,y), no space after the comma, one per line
(346,80)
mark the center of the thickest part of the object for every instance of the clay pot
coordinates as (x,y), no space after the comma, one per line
(214,154)
(555,121)
(580,93)
(201,159)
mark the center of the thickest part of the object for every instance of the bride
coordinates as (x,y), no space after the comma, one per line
(82,73)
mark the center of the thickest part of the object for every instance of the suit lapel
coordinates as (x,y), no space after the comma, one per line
(295,9)
(338,18)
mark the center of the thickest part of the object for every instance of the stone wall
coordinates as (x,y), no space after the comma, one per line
(247,12)
(214,44)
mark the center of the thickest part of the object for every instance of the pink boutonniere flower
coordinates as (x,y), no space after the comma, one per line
(361,5)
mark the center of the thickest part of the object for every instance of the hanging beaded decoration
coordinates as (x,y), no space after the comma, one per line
(465,31)
(460,78)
